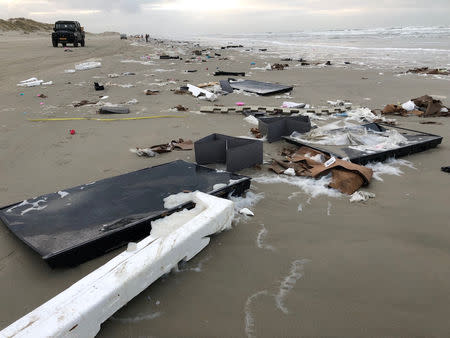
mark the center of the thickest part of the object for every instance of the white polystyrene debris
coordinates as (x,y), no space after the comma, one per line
(133,101)
(32,82)
(113,75)
(246,211)
(444,110)
(31,79)
(289,172)
(409,106)
(88,65)
(199,91)
(63,193)
(80,310)
(47,83)
(70,71)
(361,196)
(287,104)
(252,120)
(336,103)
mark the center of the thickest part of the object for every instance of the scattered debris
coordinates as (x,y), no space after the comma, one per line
(424,106)
(446,169)
(98,87)
(201,92)
(347,177)
(430,122)
(114,110)
(288,104)
(72,131)
(181,108)
(260,88)
(168,57)
(83,103)
(222,73)
(237,153)
(279,66)
(256,132)
(32,82)
(43,96)
(88,65)
(426,70)
(361,196)
(207,84)
(247,212)
(277,127)
(151,92)
(164,148)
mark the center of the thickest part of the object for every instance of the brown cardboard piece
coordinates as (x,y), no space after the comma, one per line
(347,177)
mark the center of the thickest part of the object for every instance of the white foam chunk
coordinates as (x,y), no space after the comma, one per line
(82,308)
(252,120)
(246,211)
(88,65)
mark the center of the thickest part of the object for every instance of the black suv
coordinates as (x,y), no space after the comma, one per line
(68,32)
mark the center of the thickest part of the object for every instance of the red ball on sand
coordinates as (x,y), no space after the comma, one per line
(72,131)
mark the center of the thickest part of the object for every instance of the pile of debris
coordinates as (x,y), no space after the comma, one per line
(426,70)
(424,106)
(347,177)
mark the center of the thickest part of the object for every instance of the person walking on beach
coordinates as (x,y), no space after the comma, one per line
(146,37)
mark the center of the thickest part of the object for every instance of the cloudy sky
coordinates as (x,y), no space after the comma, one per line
(172,17)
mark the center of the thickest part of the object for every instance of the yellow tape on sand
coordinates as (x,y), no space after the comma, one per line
(107,120)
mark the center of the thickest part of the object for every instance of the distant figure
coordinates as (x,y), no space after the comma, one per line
(146,37)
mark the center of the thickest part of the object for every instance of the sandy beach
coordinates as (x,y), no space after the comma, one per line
(327,268)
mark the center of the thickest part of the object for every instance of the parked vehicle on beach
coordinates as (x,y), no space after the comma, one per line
(68,32)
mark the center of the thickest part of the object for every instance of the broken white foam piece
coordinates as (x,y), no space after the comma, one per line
(133,101)
(31,79)
(288,104)
(63,193)
(49,83)
(104,97)
(70,71)
(246,211)
(444,110)
(361,196)
(30,83)
(80,310)
(199,91)
(88,65)
(289,172)
(331,161)
(252,120)
(113,75)
(409,106)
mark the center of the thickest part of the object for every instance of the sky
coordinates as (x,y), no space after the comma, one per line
(170,18)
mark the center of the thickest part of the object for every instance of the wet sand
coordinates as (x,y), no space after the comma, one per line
(334,269)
